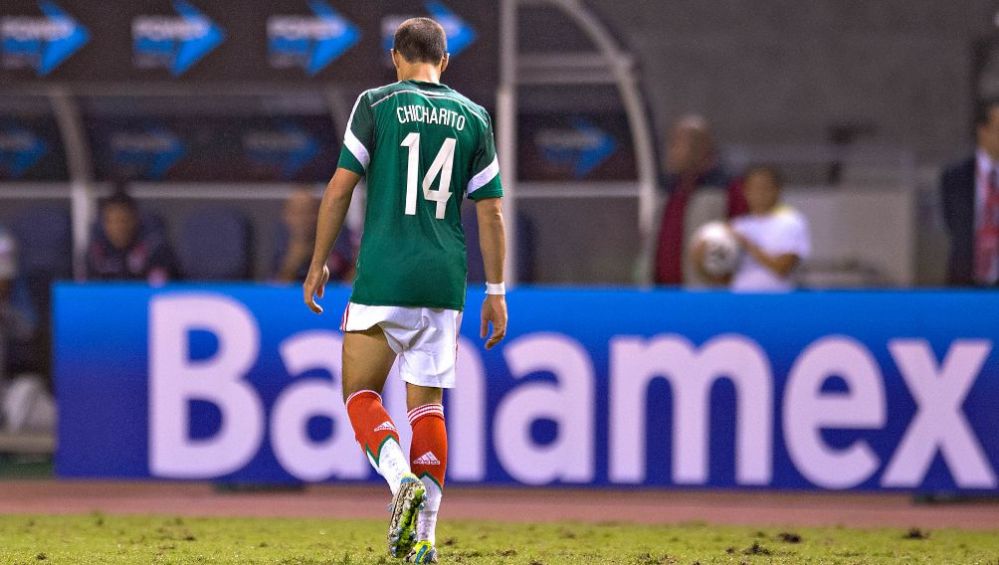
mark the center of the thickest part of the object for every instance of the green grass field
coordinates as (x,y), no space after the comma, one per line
(96,539)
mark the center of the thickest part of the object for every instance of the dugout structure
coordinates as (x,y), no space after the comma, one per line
(258,110)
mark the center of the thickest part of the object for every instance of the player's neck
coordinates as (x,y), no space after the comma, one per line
(420,72)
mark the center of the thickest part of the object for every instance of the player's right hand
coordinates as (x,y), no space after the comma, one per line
(315,285)
(494,312)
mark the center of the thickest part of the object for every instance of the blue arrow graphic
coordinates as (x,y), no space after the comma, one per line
(301,156)
(292,150)
(592,156)
(19,160)
(194,49)
(459,34)
(327,50)
(58,50)
(583,150)
(163,160)
(153,163)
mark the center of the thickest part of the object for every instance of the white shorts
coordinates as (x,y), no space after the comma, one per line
(425,339)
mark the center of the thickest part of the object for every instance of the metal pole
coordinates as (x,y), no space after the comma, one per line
(67,116)
(641,134)
(506,130)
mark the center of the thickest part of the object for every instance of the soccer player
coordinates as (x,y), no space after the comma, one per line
(423,147)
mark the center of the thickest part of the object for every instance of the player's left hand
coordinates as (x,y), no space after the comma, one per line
(494,312)
(315,285)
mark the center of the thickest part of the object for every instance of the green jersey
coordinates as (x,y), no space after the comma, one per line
(423,147)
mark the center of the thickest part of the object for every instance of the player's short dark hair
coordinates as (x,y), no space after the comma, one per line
(773,171)
(118,198)
(983,111)
(421,40)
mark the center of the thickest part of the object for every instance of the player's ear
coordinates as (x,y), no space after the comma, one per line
(444,62)
(395,60)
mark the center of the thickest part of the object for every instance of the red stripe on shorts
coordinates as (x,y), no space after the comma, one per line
(346,316)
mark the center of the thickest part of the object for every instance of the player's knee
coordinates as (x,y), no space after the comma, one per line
(352,389)
(417,396)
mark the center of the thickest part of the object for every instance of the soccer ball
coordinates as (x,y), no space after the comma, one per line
(721,249)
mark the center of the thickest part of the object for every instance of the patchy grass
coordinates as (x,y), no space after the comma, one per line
(98,539)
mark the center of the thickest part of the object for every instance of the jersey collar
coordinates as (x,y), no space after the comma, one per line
(425,84)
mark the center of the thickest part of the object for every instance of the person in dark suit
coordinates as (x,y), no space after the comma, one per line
(969,192)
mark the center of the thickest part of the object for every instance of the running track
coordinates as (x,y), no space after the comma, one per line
(501,504)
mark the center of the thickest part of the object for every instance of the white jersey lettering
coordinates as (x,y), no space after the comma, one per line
(430,115)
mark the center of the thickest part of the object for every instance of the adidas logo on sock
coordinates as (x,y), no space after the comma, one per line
(386,425)
(427,458)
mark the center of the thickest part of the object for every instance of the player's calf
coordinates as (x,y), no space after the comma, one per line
(377,436)
(428,460)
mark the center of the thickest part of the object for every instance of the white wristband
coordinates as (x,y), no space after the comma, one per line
(495,288)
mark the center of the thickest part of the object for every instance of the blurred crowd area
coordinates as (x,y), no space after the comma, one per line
(162,237)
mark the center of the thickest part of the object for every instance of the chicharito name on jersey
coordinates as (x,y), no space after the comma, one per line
(430,115)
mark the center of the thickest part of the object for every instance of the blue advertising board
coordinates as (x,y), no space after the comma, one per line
(820,391)
(30,148)
(292,147)
(236,42)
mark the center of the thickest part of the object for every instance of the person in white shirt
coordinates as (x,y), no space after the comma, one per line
(774,237)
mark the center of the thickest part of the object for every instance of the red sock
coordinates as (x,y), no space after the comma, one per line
(428,452)
(372,424)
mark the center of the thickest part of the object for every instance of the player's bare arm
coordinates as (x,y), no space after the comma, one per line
(492,242)
(332,211)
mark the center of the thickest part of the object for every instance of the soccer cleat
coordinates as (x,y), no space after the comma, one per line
(405,508)
(422,552)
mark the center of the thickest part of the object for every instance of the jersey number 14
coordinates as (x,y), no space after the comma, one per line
(442,165)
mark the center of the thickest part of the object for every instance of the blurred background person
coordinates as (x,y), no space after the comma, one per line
(774,238)
(296,238)
(123,247)
(969,191)
(25,403)
(691,165)
(8,272)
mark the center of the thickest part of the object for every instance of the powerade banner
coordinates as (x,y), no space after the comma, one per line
(40,42)
(174,43)
(31,149)
(821,391)
(575,147)
(245,40)
(300,148)
(310,42)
